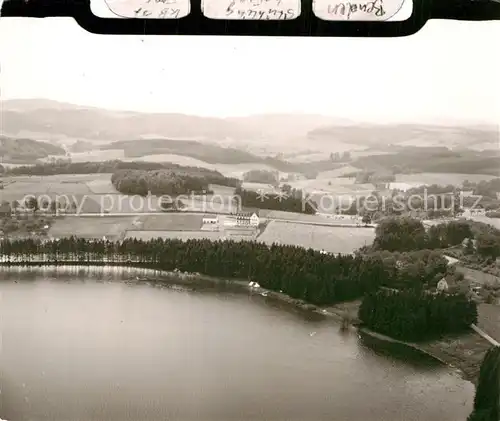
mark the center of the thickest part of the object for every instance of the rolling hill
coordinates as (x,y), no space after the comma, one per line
(26,150)
(387,136)
(257,139)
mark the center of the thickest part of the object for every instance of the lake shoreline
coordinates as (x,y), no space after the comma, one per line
(464,352)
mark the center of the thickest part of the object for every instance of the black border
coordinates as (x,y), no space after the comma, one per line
(305,25)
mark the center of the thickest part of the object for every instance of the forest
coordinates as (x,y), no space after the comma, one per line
(414,270)
(262,176)
(416,315)
(301,273)
(304,274)
(168,182)
(408,234)
(409,160)
(62,166)
(291,200)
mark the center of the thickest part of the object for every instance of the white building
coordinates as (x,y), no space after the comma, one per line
(249,219)
(210,219)
(442,285)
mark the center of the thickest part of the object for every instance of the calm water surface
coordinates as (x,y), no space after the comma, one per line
(81,345)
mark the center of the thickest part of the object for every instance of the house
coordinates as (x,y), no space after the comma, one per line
(244,219)
(247,219)
(210,219)
(442,285)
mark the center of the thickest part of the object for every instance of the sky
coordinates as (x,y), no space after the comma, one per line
(446,72)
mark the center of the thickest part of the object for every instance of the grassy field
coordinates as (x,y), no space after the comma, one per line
(489,319)
(333,240)
(478,277)
(64,184)
(347,169)
(92,227)
(99,189)
(304,218)
(180,235)
(170,222)
(267,188)
(237,170)
(175,159)
(441,178)
(20,189)
(97,155)
(495,222)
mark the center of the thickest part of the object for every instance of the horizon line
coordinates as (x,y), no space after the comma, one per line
(430,121)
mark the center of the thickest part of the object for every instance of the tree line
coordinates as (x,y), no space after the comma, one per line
(409,234)
(307,274)
(262,176)
(166,182)
(112,166)
(291,200)
(415,315)
(317,278)
(414,270)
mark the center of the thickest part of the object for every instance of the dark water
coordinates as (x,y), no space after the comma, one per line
(79,345)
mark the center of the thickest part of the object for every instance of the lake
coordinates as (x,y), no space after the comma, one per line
(96,344)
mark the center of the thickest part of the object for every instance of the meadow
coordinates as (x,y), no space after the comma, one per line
(304,218)
(330,239)
(170,222)
(443,179)
(113,227)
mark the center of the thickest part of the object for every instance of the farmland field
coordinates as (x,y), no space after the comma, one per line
(170,222)
(17,188)
(237,170)
(265,188)
(97,155)
(94,227)
(173,158)
(489,319)
(441,178)
(102,186)
(301,217)
(333,240)
(180,235)
(347,169)
(495,222)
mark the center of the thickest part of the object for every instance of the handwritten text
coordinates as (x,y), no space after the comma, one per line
(166,13)
(252,9)
(347,9)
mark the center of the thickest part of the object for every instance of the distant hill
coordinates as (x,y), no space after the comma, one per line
(51,120)
(235,140)
(26,150)
(434,160)
(82,122)
(212,154)
(386,136)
